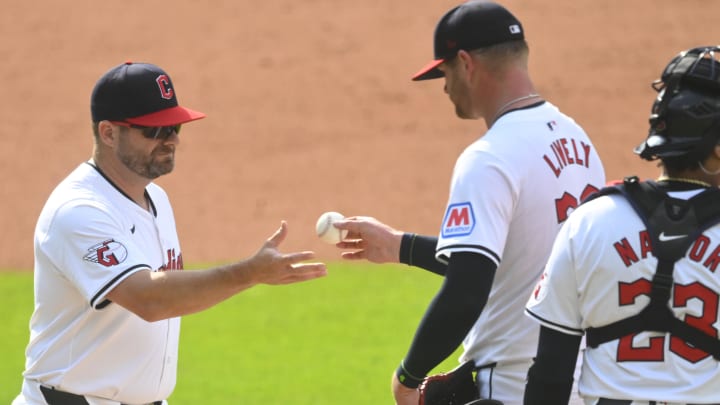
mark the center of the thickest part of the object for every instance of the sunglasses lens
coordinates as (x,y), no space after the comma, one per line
(149,132)
(160,132)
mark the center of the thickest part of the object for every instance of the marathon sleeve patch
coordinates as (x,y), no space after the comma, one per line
(459,220)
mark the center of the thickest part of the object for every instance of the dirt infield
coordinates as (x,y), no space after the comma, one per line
(310,104)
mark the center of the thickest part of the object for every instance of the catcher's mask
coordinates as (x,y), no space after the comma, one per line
(685,117)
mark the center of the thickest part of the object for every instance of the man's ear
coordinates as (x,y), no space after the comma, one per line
(106,132)
(467,64)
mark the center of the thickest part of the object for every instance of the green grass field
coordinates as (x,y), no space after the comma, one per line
(334,340)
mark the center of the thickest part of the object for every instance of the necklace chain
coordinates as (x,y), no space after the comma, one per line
(684,180)
(501,110)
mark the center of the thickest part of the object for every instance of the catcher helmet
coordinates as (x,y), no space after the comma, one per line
(685,117)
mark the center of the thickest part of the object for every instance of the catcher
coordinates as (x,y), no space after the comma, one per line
(634,268)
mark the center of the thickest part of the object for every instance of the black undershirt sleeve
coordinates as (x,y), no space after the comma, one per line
(452,312)
(550,377)
(419,251)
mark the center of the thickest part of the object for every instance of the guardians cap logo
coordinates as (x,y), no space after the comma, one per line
(459,220)
(108,253)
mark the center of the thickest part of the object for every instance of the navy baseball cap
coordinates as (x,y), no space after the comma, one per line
(140,94)
(471,25)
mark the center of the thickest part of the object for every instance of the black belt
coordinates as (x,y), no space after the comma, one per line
(607,401)
(55,397)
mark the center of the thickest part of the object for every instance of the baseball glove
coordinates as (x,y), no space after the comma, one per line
(456,387)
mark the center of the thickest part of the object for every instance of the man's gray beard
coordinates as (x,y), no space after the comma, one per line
(150,169)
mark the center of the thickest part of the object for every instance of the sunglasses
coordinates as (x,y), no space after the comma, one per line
(161,133)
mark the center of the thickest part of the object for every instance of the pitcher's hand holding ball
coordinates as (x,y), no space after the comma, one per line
(369,239)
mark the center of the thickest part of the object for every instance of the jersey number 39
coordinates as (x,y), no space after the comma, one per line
(568,202)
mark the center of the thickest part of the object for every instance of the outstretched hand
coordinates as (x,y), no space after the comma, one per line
(370,239)
(276,268)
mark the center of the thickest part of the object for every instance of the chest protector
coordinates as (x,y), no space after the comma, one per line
(673,226)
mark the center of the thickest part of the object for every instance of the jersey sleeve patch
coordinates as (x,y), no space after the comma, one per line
(459,220)
(107,253)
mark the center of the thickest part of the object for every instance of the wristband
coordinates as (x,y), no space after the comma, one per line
(407,245)
(406,378)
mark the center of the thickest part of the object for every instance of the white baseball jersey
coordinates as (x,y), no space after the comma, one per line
(510,191)
(89,237)
(599,272)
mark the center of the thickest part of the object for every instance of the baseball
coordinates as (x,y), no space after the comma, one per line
(325,229)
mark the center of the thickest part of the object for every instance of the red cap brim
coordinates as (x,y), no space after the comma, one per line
(168,117)
(430,71)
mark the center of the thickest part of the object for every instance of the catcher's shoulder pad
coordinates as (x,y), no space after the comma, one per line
(613,187)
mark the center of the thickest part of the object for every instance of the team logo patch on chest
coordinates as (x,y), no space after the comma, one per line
(459,220)
(108,253)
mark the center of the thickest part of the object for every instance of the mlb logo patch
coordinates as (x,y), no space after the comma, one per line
(459,220)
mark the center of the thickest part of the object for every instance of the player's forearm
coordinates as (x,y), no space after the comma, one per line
(162,295)
(187,292)
(438,335)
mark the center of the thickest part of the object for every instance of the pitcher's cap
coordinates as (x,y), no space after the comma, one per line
(140,94)
(471,25)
